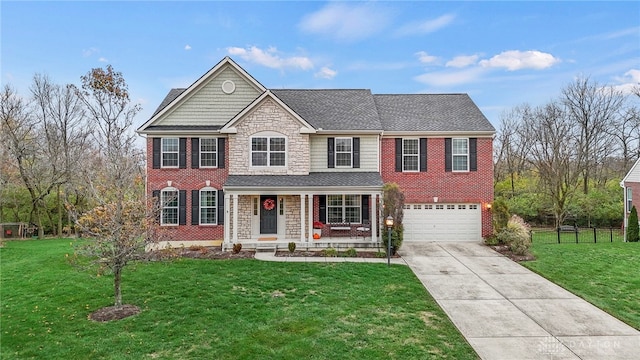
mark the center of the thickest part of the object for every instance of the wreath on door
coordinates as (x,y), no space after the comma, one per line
(269,204)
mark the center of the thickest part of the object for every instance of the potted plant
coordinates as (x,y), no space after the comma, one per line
(317,229)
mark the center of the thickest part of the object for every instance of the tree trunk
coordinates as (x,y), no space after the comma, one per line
(117,278)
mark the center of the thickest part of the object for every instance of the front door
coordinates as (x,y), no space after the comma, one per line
(268,214)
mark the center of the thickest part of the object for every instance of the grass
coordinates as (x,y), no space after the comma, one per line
(605,274)
(219,309)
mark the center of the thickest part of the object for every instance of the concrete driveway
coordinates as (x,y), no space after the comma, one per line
(507,312)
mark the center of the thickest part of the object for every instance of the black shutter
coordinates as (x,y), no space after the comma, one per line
(182,153)
(221,151)
(447,154)
(398,154)
(157,205)
(365,207)
(182,207)
(473,154)
(220,200)
(195,207)
(331,152)
(356,152)
(195,153)
(423,154)
(322,211)
(157,144)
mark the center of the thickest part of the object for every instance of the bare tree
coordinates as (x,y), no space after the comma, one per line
(64,134)
(554,154)
(120,220)
(511,146)
(593,108)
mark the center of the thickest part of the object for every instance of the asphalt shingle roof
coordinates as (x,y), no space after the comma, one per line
(430,112)
(172,95)
(343,109)
(318,179)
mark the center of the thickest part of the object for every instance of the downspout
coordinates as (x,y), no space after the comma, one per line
(624,211)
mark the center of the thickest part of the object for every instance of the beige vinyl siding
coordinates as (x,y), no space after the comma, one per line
(368,153)
(208,105)
(634,174)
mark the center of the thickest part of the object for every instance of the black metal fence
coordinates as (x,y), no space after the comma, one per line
(576,235)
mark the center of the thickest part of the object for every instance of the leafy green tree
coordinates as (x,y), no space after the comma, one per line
(393,200)
(633,230)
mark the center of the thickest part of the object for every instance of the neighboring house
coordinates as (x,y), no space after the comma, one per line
(631,189)
(232,161)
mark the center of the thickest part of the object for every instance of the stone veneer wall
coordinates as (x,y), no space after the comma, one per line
(269,117)
(245,211)
(292,214)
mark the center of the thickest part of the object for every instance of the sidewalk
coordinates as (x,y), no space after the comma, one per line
(506,311)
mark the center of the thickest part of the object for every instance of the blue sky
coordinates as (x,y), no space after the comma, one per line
(501,53)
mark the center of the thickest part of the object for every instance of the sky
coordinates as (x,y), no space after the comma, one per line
(501,53)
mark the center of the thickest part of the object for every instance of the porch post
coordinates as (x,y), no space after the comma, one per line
(310,227)
(227,218)
(374,218)
(235,218)
(302,204)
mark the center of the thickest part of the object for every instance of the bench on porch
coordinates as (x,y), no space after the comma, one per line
(340,228)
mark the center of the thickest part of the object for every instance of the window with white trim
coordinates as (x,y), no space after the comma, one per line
(170,148)
(268,151)
(344,152)
(629,200)
(460,154)
(410,155)
(344,208)
(208,206)
(208,152)
(169,201)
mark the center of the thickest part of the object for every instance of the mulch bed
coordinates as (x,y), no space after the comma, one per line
(110,313)
(301,253)
(504,250)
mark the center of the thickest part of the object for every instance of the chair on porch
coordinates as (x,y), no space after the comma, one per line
(363,230)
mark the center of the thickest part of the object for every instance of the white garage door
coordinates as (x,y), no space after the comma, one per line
(442,222)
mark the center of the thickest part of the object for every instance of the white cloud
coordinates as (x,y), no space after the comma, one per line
(426,58)
(427,26)
(102,59)
(270,58)
(187,47)
(629,82)
(449,78)
(90,51)
(347,22)
(516,60)
(462,61)
(326,73)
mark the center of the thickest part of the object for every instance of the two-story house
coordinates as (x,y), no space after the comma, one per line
(233,162)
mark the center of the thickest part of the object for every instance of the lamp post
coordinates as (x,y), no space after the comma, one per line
(389,223)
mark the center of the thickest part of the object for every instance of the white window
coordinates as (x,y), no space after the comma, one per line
(208,206)
(460,154)
(451,207)
(344,152)
(170,149)
(629,200)
(439,207)
(344,208)
(268,151)
(410,154)
(169,201)
(208,152)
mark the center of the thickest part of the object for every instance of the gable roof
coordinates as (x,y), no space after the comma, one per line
(633,175)
(176,95)
(334,109)
(431,112)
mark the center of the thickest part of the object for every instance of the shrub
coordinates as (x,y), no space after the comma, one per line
(292,246)
(196,248)
(632,227)
(516,235)
(381,254)
(237,248)
(350,252)
(491,240)
(330,252)
(396,238)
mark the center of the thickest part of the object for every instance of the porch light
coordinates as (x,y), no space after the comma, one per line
(389,222)
(488,206)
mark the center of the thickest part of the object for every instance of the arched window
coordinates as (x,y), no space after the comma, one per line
(169,200)
(208,206)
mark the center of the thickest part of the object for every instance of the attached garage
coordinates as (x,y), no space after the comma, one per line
(442,222)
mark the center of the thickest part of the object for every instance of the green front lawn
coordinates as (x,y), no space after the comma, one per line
(219,309)
(605,274)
